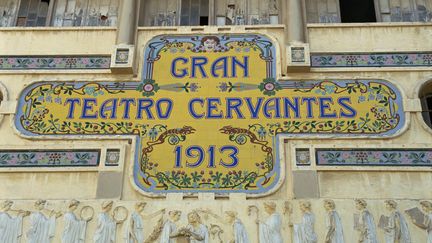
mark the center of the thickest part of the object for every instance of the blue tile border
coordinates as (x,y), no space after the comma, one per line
(54,62)
(374,157)
(420,59)
(49,158)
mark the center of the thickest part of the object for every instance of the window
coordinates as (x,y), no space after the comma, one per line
(58,12)
(194,12)
(334,11)
(357,11)
(426,102)
(86,13)
(208,12)
(8,9)
(33,13)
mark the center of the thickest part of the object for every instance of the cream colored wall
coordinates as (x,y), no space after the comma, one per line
(406,185)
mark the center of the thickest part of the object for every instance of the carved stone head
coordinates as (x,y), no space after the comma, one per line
(73,205)
(107,206)
(426,206)
(270,207)
(40,204)
(194,218)
(174,215)
(390,205)
(329,205)
(360,204)
(139,207)
(305,206)
(230,216)
(6,205)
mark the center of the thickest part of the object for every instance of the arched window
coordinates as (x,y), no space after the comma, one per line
(425,96)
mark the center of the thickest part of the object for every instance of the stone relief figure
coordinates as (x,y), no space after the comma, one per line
(239,230)
(304,232)
(42,228)
(364,223)
(135,228)
(269,231)
(423,219)
(169,231)
(107,226)
(74,227)
(395,226)
(334,233)
(196,231)
(11,226)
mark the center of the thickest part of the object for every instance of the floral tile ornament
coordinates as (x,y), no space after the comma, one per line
(112,157)
(374,157)
(302,156)
(55,62)
(421,59)
(49,158)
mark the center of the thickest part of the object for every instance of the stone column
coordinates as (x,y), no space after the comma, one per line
(294,21)
(123,55)
(127,22)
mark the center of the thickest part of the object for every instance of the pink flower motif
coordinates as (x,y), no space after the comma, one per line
(11,61)
(85,61)
(148,87)
(269,86)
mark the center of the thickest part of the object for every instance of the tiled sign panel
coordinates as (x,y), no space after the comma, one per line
(208,113)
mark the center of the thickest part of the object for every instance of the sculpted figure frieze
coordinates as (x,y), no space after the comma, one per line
(334,228)
(74,226)
(422,218)
(394,225)
(240,234)
(364,223)
(135,228)
(107,224)
(269,230)
(304,232)
(169,232)
(42,227)
(11,226)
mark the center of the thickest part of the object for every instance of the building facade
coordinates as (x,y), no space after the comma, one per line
(216,121)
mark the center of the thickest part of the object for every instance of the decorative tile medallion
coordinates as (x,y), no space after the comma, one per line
(298,54)
(382,157)
(60,62)
(122,56)
(209,112)
(49,158)
(372,60)
(112,157)
(303,156)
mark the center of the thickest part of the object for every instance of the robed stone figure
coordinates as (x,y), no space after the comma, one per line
(42,228)
(106,228)
(10,226)
(74,229)
(269,230)
(304,232)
